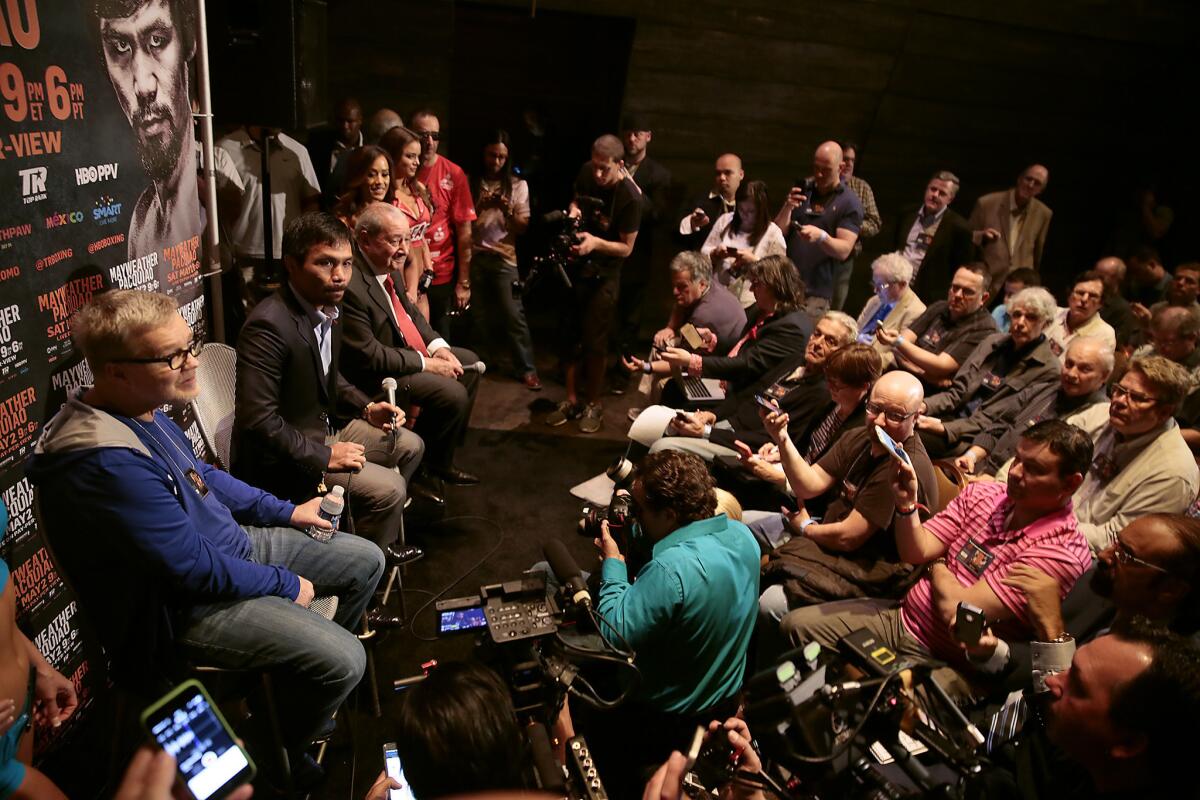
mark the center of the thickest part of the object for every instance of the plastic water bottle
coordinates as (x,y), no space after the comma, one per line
(332,506)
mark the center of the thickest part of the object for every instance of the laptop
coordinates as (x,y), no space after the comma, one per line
(701,391)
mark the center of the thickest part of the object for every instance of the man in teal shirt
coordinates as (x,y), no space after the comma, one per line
(690,612)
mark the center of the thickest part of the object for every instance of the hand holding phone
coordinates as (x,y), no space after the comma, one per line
(968,624)
(890,445)
(394,770)
(768,403)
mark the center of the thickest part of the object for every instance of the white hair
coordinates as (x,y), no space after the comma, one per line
(846,321)
(1036,301)
(1108,357)
(894,267)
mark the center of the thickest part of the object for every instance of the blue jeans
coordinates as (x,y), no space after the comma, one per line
(314,663)
(492,279)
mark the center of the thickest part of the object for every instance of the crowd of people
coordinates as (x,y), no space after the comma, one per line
(1069,433)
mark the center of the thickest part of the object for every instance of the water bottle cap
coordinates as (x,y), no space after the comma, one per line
(337,491)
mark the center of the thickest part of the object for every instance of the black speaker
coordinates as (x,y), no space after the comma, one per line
(268,62)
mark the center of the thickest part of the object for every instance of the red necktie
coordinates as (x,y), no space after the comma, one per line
(408,329)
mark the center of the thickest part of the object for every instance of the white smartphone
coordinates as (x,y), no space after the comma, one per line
(391,763)
(890,444)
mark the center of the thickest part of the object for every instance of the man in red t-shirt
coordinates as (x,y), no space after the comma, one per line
(977,548)
(449,233)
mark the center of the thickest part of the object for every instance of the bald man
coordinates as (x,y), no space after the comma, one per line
(850,552)
(698,216)
(328,144)
(380,123)
(1010,226)
(1115,309)
(821,219)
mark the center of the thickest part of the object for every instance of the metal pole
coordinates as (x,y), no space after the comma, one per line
(216,313)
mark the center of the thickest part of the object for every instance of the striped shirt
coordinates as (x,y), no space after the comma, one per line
(976,518)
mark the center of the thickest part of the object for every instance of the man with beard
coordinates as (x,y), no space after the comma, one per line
(147,45)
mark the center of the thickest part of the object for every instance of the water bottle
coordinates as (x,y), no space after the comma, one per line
(331,509)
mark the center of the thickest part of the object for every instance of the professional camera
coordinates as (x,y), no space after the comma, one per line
(566,229)
(619,511)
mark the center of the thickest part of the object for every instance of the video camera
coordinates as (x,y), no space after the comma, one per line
(559,255)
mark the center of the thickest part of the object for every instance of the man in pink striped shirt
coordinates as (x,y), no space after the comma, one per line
(971,548)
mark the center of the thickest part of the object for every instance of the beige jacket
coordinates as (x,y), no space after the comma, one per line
(903,314)
(993,211)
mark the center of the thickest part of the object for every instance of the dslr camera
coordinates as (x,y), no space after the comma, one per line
(619,511)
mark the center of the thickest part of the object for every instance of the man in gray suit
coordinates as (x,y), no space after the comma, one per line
(1010,226)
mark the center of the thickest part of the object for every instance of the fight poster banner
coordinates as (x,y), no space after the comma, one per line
(98,189)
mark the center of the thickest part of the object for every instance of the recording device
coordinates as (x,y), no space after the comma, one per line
(186,723)
(890,445)
(425,281)
(969,623)
(559,255)
(562,563)
(391,764)
(461,620)
(691,336)
(619,511)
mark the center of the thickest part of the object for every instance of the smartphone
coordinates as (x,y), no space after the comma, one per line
(391,764)
(208,760)
(692,336)
(766,402)
(968,624)
(890,445)
(459,620)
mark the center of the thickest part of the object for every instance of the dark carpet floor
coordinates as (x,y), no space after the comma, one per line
(491,532)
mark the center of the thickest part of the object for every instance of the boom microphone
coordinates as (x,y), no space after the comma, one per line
(478,366)
(563,565)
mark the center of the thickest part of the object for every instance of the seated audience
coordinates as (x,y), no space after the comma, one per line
(701,212)
(849,373)
(1148,279)
(1150,570)
(1115,310)
(741,237)
(368,180)
(700,302)
(893,306)
(1181,292)
(1174,333)
(291,394)
(457,733)
(1018,279)
(849,551)
(972,546)
(1081,317)
(775,329)
(1112,724)
(993,380)
(1010,226)
(934,238)
(1086,368)
(1142,464)
(935,344)
(385,336)
(502,206)
(820,227)
(193,562)
(796,384)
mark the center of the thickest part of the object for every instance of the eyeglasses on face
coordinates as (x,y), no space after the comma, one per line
(1118,391)
(1124,558)
(174,360)
(874,409)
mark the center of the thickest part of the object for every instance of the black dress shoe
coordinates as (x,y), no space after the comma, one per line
(382,618)
(402,553)
(456,477)
(424,490)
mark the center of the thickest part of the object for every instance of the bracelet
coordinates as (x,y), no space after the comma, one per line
(464,284)
(647,367)
(904,512)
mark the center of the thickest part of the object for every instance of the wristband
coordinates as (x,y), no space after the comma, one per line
(646,367)
(806,523)
(708,431)
(824,236)
(904,512)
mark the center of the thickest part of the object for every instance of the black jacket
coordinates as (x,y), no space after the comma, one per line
(950,249)
(285,407)
(781,336)
(802,403)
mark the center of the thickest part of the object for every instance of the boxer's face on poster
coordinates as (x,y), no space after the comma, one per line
(147,63)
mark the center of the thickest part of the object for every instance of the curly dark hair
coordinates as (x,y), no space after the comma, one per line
(680,482)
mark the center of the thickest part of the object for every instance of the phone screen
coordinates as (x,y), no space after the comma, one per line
(391,760)
(890,443)
(463,619)
(207,757)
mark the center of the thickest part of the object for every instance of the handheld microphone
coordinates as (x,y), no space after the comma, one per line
(567,571)
(478,366)
(389,386)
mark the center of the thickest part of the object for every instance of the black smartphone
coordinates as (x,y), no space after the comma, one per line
(968,624)
(766,402)
(186,723)
(391,765)
(459,620)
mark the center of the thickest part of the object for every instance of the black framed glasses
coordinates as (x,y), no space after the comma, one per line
(1119,391)
(874,409)
(174,360)
(1124,557)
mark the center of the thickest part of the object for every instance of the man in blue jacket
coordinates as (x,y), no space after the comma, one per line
(173,558)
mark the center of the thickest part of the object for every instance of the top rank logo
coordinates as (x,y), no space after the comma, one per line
(100,172)
(33,184)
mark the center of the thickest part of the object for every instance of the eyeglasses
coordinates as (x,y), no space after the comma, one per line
(434,135)
(1119,391)
(1124,557)
(874,409)
(174,360)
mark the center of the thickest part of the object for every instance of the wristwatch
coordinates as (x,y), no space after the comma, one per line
(464,284)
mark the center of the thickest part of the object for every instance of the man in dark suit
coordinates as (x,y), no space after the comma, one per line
(935,238)
(697,217)
(329,144)
(298,422)
(386,336)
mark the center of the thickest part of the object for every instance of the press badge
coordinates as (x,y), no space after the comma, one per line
(992,380)
(196,481)
(975,558)
(931,338)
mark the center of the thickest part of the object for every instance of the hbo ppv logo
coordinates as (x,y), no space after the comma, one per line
(100,172)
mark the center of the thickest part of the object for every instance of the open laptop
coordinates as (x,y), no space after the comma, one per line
(700,391)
